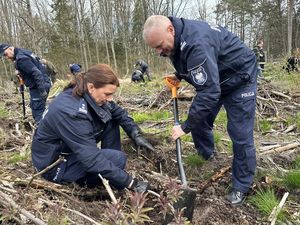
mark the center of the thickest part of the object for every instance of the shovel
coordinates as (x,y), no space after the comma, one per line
(188,196)
(22,94)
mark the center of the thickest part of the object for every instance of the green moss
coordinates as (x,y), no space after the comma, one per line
(296,163)
(17,158)
(292,179)
(3,112)
(140,117)
(265,126)
(221,118)
(194,160)
(187,138)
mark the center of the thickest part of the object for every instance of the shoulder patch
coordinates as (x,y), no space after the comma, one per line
(82,107)
(199,75)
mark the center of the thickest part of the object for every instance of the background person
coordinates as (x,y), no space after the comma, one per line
(76,120)
(260,56)
(143,67)
(223,71)
(137,76)
(34,75)
(50,69)
(75,68)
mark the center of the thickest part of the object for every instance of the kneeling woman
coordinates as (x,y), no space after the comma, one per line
(77,119)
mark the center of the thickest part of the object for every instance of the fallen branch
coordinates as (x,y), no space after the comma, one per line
(281,149)
(59,160)
(108,188)
(281,95)
(213,178)
(276,210)
(268,147)
(73,211)
(9,202)
(290,128)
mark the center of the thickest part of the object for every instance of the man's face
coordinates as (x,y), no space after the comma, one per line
(162,40)
(102,95)
(9,53)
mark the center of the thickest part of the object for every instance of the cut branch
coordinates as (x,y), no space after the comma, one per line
(9,202)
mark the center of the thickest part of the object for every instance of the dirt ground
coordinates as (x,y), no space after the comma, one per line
(71,204)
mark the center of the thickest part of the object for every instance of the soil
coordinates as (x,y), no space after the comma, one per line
(59,204)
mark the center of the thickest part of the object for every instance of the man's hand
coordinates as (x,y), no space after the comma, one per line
(177,132)
(140,141)
(138,185)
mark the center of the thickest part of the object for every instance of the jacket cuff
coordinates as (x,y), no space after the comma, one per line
(186,129)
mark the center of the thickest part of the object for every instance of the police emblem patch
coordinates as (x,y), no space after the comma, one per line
(199,75)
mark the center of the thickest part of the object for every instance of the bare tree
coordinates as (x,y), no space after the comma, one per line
(202,9)
(290,25)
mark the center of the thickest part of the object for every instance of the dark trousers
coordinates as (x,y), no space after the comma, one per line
(240,110)
(71,170)
(37,103)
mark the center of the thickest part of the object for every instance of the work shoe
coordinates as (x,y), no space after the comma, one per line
(211,157)
(235,197)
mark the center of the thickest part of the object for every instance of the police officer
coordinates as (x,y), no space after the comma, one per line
(143,67)
(137,76)
(223,71)
(76,121)
(33,74)
(75,68)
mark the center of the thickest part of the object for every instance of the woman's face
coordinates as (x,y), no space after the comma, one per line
(102,95)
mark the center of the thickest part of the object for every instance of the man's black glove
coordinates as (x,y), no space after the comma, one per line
(139,185)
(140,141)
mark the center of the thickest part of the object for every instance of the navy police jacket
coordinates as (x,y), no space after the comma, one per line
(31,69)
(213,60)
(73,125)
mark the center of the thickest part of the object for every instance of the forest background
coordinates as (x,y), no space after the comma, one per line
(110,31)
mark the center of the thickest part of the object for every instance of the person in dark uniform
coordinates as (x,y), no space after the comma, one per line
(143,67)
(75,122)
(34,75)
(223,71)
(50,69)
(291,65)
(260,56)
(137,76)
(75,68)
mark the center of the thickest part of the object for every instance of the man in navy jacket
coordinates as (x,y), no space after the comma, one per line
(223,71)
(34,75)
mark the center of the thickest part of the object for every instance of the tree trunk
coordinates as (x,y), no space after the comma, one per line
(290,25)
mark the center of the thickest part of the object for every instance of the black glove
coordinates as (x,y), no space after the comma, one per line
(140,141)
(139,186)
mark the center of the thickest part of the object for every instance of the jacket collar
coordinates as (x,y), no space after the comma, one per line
(102,111)
(178,26)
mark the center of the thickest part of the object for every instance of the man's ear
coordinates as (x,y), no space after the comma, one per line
(171,29)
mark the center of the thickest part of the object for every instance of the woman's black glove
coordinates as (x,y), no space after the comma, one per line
(140,141)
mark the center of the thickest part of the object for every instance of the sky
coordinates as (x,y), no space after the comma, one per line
(191,10)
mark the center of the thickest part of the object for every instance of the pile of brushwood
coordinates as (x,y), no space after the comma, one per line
(26,198)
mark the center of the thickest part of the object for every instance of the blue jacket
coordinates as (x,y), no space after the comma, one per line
(212,59)
(143,65)
(73,125)
(31,69)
